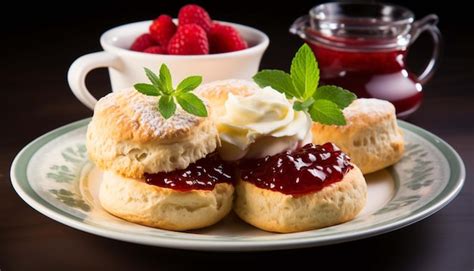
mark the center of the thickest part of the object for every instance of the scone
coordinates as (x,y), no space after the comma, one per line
(286,184)
(157,172)
(217,92)
(371,137)
(305,189)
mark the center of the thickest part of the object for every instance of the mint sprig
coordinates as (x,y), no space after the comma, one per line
(343,98)
(326,112)
(162,87)
(324,104)
(304,72)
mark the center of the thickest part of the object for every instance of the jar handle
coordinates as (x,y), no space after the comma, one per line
(298,27)
(428,23)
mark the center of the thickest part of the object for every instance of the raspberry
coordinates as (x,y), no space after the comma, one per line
(224,38)
(155,50)
(190,39)
(194,14)
(162,29)
(142,42)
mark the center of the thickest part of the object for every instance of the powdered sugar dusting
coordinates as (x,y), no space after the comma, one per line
(142,112)
(146,113)
(374,107)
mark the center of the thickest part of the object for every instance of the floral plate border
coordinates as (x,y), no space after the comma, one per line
(74,211)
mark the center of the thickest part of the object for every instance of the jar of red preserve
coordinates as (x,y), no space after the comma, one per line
(363,47)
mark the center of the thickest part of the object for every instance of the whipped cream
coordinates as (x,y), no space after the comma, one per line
(261,124)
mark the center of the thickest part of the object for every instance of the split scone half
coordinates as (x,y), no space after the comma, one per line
(310,188)
(371,136)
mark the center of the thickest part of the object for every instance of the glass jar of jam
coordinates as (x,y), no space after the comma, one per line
(363,47)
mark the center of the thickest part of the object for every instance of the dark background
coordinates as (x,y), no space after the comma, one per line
(39,42)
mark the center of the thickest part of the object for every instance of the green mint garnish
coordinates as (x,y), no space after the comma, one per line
(162,86)
(191,103)
(278,80)
(147,89)
(326,112)
(189,83)
(343,98)
(303,106)
(324,103)
(166,106)
(304,72)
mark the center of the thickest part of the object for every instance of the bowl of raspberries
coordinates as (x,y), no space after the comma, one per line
(191,44)
(192,33)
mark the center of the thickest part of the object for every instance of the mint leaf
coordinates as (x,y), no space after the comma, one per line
(165,78)
(324,104)
(162,85)
(147,89)
(278,80)
(192,104)
(153,78)
(335,94)
(166,106)
(302,106)
(305,72)
(189,83)
(326,112)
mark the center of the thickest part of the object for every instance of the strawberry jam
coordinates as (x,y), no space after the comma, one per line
(306,170)
(204,174)
(378,74)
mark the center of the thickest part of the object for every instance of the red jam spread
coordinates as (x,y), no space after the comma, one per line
(305,170)
(204,174)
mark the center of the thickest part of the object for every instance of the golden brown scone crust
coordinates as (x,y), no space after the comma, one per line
(216,93)
(277,212)
(150,205)
(371,138)
(127,135)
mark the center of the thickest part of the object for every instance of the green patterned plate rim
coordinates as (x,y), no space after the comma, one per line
(23,187)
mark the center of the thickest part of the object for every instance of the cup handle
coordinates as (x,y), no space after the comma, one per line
(79,69)
(428,23)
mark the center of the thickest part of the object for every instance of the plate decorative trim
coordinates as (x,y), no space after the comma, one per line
(54,176)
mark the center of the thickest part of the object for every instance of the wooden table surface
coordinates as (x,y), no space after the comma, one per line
(36,98)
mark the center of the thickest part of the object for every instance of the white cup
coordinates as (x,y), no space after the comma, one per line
(126,66)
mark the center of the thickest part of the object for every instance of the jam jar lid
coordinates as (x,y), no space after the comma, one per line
(357,26)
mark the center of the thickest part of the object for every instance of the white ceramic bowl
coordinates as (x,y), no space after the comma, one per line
(126,66)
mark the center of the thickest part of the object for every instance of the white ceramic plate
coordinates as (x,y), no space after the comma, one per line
(53,175)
